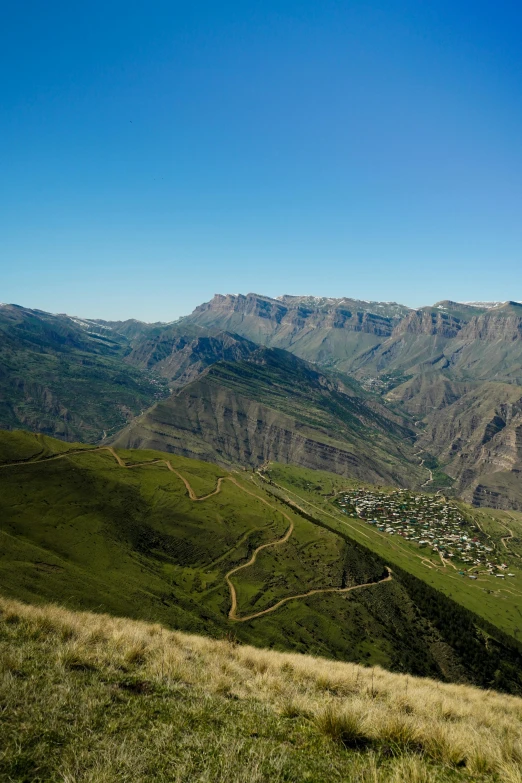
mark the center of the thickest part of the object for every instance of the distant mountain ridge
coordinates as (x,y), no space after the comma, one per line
(363,337)
(434,361)
(452,367)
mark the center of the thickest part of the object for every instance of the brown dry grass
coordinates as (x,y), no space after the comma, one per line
(398,728)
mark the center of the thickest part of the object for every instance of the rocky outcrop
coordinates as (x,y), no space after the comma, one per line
(465,342)
(430,322)
(295,313)
(326,331)
(503,323)
(479,440)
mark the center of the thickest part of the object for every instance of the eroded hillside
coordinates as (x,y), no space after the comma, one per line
(273,406)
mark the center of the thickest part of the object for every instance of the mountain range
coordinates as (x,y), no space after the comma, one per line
(402,396)
(236,474)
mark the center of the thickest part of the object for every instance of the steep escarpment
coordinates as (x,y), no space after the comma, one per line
(503,322)
(328,331)
(430,321)
(274,406)
(374,339)
(465,344)
(420,342)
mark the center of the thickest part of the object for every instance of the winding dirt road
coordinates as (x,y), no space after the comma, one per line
(74,452)
(429,481)
(232,615)
(508,538)
(299,595)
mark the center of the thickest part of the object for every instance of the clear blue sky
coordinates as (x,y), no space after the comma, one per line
(154,153)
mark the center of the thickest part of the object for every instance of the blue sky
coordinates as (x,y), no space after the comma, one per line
(156,153)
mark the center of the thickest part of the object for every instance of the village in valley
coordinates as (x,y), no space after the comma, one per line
(429,521)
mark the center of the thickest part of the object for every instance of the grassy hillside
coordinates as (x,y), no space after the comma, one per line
(152,536)
(496,601)
(90,698)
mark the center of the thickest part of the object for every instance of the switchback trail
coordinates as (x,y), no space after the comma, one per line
(192,495)
(121,463)
(300,595)
(508,538)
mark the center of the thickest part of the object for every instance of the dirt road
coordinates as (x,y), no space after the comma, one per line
(303,595)
(192,495)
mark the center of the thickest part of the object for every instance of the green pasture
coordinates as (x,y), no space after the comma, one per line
(82,531)
(499,601)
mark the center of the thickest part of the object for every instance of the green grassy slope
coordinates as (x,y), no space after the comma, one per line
(84,531)
(494,600)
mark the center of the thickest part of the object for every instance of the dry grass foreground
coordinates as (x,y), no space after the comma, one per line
(91,698)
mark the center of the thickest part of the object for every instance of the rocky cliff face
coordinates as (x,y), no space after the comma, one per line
(430,322)
(296,313)
(502,323)
(372,338)
(326,331)
(465,342)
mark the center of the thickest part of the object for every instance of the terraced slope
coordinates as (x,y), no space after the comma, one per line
(159,537)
